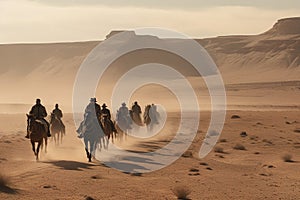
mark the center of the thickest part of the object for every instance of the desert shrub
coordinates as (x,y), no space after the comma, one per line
(219,150)
(187,154)
(223,140)
(239,147)
(235,117)
(182,192)
(287,158)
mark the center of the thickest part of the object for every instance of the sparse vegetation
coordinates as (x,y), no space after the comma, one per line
(187,154)
(182,192)
(203,163)
(253,137)
(219,150)
(223,140)
(243,134)
(267,141)
(235,117)
(287,158)
(96,177)
(239,147)
(297,130)
(194,170)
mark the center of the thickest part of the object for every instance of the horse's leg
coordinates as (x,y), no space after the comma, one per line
(87,152)
(46,144)
(61,136)
(33,147)
(112,135)
(86,144)
(38,149)
(58,136)
(42,145)
(54,136)
(92,148)
(90,152)
(90,157)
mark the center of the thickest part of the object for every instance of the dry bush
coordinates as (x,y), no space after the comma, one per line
(223,140)
(239,147)
(235,117)
(187,154)
(287,158)
(219,150)
(182,192)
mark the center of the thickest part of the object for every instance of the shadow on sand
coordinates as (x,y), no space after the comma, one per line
(8,190)
(70,165)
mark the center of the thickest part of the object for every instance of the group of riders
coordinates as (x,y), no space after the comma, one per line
(38,111)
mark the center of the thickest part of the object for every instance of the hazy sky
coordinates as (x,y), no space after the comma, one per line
(78,20)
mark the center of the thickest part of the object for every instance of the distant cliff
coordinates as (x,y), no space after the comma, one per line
(30,70)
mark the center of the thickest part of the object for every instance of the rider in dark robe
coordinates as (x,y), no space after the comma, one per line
(58,113)
(136,109)
(38,111)
(106,112)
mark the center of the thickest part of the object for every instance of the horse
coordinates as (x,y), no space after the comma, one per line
(136,117)
(123,122)
(37,133)
(92,134)
(151,116)
(57,129)
(147,119)
(107,127)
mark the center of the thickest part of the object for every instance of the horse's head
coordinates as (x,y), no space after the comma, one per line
(30,121)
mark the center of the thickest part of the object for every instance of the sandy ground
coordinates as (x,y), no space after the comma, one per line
(258,172)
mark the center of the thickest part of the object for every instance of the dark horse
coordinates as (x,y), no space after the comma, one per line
(136,118)
(92,134)
(57,129)
(107,127)
(37,133)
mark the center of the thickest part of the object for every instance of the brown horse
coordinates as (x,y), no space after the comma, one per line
(107,128)
(57,129)
(37,133)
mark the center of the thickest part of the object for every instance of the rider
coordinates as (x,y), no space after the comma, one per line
(123,111)
(58,113)
(106,111)
(91,108)
(136,108)
(39,112)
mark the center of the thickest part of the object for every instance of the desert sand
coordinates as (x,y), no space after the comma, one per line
(262,83)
